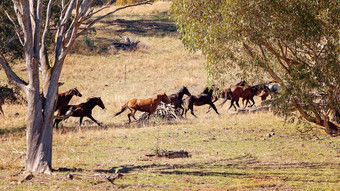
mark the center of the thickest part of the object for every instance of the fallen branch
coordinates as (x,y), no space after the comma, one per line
(163,111)
(111,178)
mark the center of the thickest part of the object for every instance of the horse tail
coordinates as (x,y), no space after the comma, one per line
(122,110)
(227,94)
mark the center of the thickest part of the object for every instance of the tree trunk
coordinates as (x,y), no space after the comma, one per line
(39,142)
(39,131)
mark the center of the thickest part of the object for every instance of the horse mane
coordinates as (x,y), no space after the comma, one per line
(208,90)
(92,98)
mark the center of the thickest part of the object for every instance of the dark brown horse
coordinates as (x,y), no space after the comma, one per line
(82,110)
(265,92)
(251,91)
(176,99)
(145,105)
(64,98)
(234,93)
(201,99)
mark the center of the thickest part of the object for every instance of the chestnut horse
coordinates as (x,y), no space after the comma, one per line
(176,99)
(145,105)
(82,110)
(236,92)
(64,98)
(201,99)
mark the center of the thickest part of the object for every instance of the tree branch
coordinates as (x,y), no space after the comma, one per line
(43,53)
(15,27)
(11,75)
(69,37)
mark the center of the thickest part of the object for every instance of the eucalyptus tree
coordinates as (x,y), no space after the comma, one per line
(32,24)
(296,42)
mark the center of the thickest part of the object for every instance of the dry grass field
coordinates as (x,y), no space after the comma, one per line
(252,151)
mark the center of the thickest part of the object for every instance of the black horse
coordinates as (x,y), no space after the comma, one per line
(201,99)
(82,110)
(176,99)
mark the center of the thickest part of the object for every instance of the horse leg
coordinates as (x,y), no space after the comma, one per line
(244,106)
(191,107)
(81,120)
(232,104)
(252,99)
(129,114)
(181,109)
(237,102)
(94,120)
(243,102)
(209,109)
(214,107)
(1,111)
(185,111)
(56,122)
(133,114)
(192,113)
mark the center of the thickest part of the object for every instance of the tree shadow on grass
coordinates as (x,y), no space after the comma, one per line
(17,130)
(242,167)
(159,26)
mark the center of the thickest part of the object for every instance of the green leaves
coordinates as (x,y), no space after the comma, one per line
(296,42)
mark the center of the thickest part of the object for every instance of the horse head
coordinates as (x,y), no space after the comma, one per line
(241,83)
(97,101)
(185,90)
(164,98)
(75,91)
(100,103)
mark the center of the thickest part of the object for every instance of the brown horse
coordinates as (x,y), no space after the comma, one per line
(145,105)
(236,92)
(82,110)
(224,91)
(201,99)
(176,99)
(64,98)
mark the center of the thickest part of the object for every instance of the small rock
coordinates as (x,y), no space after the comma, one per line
(28,176)
(70,176)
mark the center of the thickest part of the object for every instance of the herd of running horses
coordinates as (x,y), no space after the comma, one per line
(233,93)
